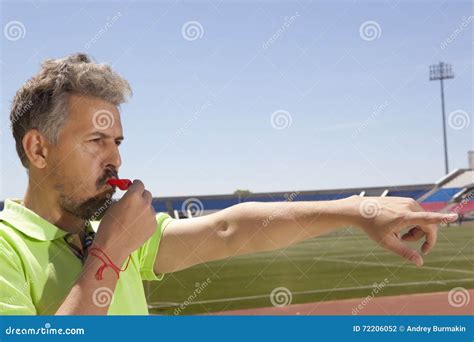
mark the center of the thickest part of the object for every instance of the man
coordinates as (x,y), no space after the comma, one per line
(67,129)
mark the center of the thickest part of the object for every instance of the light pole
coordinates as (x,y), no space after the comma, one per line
(442,71)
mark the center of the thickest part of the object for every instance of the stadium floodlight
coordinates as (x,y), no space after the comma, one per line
(440,72)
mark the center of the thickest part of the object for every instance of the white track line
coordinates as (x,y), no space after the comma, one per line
(233,299)
(369,254)
(369,263)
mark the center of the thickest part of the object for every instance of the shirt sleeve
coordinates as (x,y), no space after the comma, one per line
(147,253)
(15,296)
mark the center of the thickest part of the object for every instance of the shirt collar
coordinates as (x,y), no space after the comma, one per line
(30,223)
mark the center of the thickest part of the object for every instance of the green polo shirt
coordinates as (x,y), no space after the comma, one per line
(38,268)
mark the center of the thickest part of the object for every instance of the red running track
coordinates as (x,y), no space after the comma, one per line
(436,303)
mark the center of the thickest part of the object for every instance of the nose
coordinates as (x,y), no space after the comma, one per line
(113,158)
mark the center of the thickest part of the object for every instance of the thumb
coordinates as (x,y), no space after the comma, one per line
(394,244)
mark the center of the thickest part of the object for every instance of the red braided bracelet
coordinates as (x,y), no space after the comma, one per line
(104,265)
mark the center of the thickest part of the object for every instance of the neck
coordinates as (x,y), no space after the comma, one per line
(46,205)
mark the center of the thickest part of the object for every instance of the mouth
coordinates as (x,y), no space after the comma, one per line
(110,182)
(104,180)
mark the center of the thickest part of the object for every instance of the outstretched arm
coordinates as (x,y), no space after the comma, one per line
(255,226)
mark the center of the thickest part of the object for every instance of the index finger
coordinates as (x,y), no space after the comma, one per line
(425,217)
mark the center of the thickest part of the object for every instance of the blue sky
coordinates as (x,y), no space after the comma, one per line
(356,105)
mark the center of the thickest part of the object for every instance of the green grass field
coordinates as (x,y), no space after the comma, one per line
(337,266)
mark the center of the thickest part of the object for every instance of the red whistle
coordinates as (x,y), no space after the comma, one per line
(122,184)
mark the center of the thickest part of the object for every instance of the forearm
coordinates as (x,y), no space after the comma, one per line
(90,296)
(257,226)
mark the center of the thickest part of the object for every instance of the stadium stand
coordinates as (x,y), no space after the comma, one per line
(454,192)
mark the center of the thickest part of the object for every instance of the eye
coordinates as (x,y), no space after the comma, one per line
(96,140)
(118,142)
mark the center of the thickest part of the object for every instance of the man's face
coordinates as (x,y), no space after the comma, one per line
(85,157)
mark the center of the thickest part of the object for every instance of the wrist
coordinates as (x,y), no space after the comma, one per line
(349,210)
(114,253)
(329,216)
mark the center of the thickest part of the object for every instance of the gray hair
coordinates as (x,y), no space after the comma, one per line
(42,102)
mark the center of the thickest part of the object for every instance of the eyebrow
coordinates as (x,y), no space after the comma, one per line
(105,136)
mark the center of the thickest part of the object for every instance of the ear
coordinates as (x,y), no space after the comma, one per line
(36,148)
